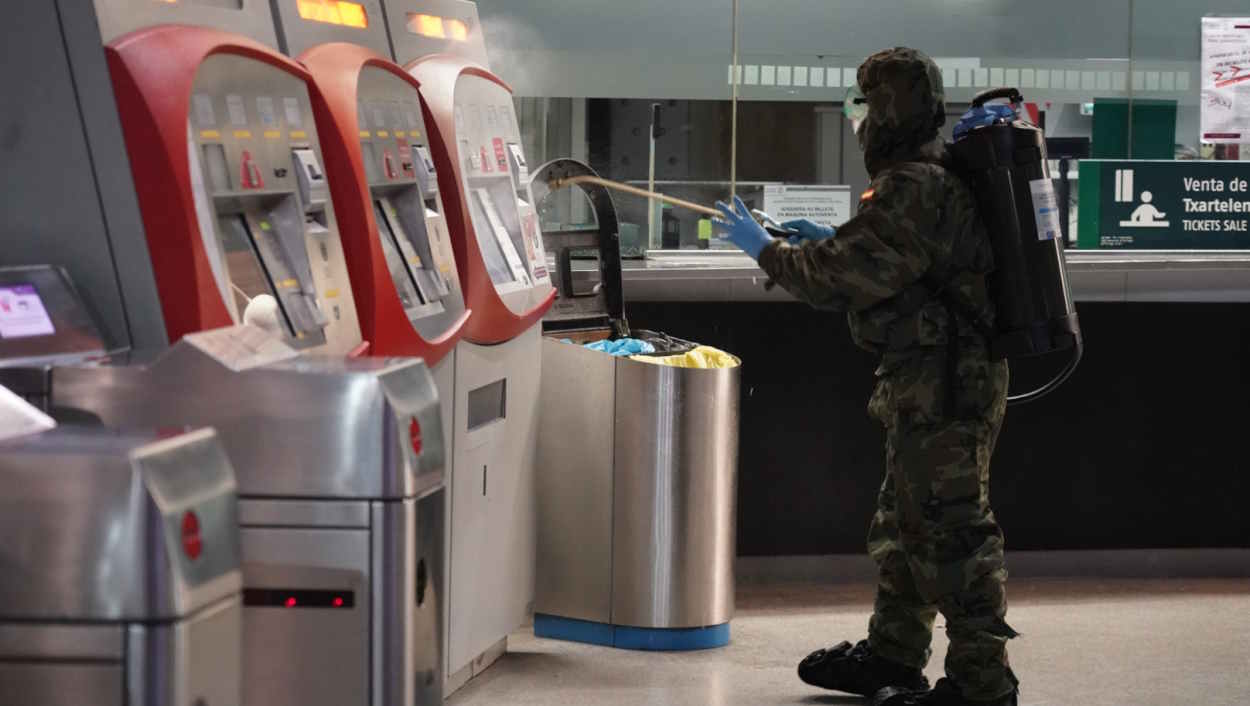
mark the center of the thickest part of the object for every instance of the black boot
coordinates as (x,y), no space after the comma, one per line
(944,694)
(856,670)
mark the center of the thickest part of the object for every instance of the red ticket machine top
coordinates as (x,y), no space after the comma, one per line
(227,167)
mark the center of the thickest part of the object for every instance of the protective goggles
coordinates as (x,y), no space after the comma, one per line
(855,107)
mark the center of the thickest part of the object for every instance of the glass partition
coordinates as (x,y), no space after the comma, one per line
(1115,79)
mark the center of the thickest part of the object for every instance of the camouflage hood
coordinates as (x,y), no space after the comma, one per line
(905,109)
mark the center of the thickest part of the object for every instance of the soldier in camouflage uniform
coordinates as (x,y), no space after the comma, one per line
(910,270)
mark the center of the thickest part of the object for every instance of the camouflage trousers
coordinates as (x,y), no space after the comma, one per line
(934,537)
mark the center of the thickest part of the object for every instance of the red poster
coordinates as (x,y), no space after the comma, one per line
(405,157)
(501,157)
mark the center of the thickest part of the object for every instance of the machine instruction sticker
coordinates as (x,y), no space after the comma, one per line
(241,347)
(1225,98)
(238,111)
(501,155)
(1046,209)
(264,106)
(205,116)
(294,116)
(19,417)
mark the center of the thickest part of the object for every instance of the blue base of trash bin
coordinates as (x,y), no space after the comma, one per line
(630,638)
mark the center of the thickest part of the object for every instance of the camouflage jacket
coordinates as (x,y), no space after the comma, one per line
(917,224)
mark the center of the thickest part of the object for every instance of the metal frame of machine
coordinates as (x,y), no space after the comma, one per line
(484,182)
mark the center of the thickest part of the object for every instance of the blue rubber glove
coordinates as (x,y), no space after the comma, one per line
(808,230)
(984,116)
(741,229)
(622,347)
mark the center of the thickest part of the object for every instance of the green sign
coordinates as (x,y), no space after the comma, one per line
(1174,205)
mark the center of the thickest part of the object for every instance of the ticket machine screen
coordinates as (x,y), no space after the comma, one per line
(22,313)
(43,318)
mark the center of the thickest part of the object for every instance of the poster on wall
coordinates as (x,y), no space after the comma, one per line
(1225,80)
(826,205)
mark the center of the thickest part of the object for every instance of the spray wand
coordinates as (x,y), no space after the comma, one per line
(773,227)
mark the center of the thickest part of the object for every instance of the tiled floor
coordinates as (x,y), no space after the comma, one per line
(1085,643)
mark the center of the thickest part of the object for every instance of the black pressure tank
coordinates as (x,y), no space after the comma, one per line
(1006,166)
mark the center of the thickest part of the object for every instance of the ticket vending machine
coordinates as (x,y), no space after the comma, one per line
(484,182)
(340,461)
(385,190)
(235,201)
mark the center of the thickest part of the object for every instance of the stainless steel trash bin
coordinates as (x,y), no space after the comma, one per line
(636,469)
(119,571)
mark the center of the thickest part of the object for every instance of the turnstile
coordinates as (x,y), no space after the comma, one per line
(340,475)
(119,570)
(340,468)
(637,464)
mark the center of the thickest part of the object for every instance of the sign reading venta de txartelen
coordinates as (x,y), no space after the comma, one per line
(1165,205)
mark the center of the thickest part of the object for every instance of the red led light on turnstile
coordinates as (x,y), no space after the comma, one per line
(414,436)
(338,602)
(290,602)
(192,544)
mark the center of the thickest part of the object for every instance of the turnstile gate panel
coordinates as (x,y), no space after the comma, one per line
(340,465)
(121,570)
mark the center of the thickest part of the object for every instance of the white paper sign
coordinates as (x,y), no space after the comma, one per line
(826,205)
(242,347)
(1046,209)
(19,417)
(1225,80)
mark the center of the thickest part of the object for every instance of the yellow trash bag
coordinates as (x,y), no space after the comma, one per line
(701,357)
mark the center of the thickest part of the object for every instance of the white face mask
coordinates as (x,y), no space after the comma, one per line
(855,108)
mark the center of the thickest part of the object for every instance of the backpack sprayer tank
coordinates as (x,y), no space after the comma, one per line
(1005,164)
